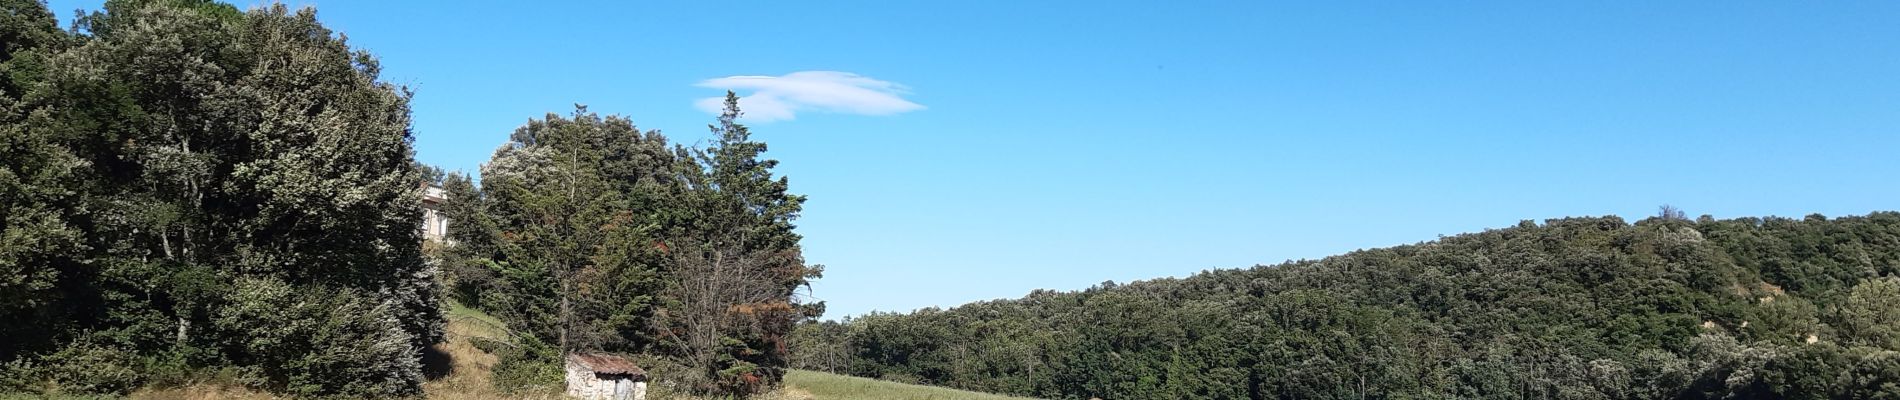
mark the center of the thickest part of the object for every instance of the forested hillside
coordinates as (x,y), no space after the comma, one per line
(1578,308)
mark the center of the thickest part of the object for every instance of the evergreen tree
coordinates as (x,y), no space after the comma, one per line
(735,263)
(561,238)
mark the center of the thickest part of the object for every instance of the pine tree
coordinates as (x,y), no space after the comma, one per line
(567,213)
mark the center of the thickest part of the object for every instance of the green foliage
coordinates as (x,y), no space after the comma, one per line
(86,367)
(165,149)
(734,262)
(38,232)
(1584,308)
(162,150)
(560,239)
(528,365)
(1871,314)
(314,341)
(592,235)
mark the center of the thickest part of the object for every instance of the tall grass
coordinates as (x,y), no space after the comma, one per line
(823,386)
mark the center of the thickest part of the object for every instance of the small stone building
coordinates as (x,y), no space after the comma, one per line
(605,377)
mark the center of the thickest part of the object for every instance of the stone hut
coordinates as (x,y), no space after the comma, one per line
(604,377)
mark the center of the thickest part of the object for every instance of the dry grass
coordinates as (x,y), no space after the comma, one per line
(460,371)
(201,392)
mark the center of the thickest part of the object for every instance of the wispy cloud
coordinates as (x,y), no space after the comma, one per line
(775,98)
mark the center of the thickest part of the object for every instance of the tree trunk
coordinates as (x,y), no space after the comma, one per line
(565,313)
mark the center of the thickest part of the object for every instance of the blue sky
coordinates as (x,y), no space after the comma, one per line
(1059,145)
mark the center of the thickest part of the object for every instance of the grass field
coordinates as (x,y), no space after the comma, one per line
(823,386)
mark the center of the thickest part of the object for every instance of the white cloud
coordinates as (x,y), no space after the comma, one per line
(776,98)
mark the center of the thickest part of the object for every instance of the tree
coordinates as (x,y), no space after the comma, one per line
(735,263)
(170,148)
(37,234)
(1671,213)
(565,223)
(1871,314)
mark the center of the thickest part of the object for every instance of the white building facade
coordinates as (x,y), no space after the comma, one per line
(435,224)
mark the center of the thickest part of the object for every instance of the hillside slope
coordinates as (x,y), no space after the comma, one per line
(1571,308)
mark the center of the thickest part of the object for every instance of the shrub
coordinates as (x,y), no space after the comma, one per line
(79,367)
(322,342)
(528,365)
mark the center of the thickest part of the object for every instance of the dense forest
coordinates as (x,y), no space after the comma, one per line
(189,192)
(1574,308)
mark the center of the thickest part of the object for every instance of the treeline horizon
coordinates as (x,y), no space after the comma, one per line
(1573,308)
(194,193)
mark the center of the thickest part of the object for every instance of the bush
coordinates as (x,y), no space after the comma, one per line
(486,345)
(322,342)
(80,367)
(529,365)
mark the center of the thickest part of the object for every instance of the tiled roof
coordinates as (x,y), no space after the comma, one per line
(607,364)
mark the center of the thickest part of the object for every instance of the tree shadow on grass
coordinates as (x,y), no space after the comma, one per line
(436,363)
